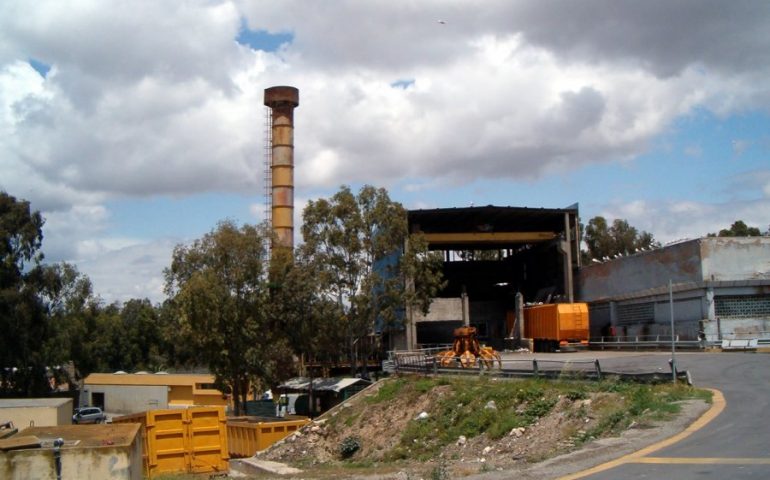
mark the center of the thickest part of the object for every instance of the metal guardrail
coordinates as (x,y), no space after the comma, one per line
(644,342)
(424,363)
(651,342)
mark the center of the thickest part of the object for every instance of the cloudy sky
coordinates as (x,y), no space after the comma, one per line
(133,125)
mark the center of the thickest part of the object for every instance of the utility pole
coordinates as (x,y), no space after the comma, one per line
(673,344)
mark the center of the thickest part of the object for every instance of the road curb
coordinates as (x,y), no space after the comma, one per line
(717,406)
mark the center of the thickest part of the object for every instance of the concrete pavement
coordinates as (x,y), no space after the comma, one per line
(732,442)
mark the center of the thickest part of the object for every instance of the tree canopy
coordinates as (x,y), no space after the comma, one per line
(220,291)
(620,238)
(23,321)
(738,229)
(357,244)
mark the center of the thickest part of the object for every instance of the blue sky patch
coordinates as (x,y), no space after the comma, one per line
(262,39)
(403,84)
(40,67)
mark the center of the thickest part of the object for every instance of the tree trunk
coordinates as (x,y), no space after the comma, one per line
(353,365)
(236,396)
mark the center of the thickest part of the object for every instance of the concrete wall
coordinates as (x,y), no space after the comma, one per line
(695,261)
(680,263)
(736,259)
(122,461)
(112,463)
(53,411)
(442,310)
(131,398)
(701,270)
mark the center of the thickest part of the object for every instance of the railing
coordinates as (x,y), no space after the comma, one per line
(640,342)
(762,337)
(426,363)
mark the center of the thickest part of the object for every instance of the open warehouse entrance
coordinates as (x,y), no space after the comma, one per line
(491,254)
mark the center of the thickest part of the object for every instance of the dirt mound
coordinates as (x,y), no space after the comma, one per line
(411,426)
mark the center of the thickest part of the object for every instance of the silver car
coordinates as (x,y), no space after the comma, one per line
(88,415)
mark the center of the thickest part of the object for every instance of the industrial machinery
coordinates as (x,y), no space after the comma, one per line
(466,351)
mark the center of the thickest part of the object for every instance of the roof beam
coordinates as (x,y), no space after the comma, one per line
(488,237)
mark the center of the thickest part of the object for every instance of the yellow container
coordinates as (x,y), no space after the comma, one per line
(192,440)
(557,322)
(247,438)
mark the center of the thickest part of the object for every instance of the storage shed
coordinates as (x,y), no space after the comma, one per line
(327,392)
(36,412)
(137,392)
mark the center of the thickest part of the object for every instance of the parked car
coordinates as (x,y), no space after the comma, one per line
(89,415)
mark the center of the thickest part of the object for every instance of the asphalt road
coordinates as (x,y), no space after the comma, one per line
(734,445)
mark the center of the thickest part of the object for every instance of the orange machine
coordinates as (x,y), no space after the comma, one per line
(556,325)
(466,350)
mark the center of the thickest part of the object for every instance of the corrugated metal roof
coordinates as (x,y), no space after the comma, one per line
(321,384)
(148,379)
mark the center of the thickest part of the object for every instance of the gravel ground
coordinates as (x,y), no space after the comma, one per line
(604,450)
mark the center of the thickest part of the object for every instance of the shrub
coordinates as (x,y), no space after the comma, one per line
(349,446)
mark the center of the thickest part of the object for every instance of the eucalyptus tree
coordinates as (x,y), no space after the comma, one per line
(219,287)
(24,322)
(738,229)
(363,257)
(619,238)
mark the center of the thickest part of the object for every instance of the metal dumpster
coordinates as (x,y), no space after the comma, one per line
(192,440)
(245,437)
(555,324)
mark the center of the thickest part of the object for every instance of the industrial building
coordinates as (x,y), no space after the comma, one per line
(495,255)
(720,285)
(129,393)
(490,254)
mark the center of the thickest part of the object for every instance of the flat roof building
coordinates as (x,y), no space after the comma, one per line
(721,290)
(136,392)
(40,412)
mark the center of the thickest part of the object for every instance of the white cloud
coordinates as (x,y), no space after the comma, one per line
(120,273)
(670,221)
(740,146)
(160,99)
(156,98)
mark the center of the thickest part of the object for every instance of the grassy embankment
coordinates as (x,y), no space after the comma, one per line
(461,411)
(459,407)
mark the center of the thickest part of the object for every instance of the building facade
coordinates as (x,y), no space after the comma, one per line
(492,255)
(40,412)
(720,285)
(136,392)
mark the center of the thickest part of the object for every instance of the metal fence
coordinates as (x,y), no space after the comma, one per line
(644,342)
(663,342)
(425,362)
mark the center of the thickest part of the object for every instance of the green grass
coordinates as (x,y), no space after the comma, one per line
(388,391)
(521,404)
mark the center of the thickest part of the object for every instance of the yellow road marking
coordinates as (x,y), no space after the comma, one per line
(718,404)
(703,461)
